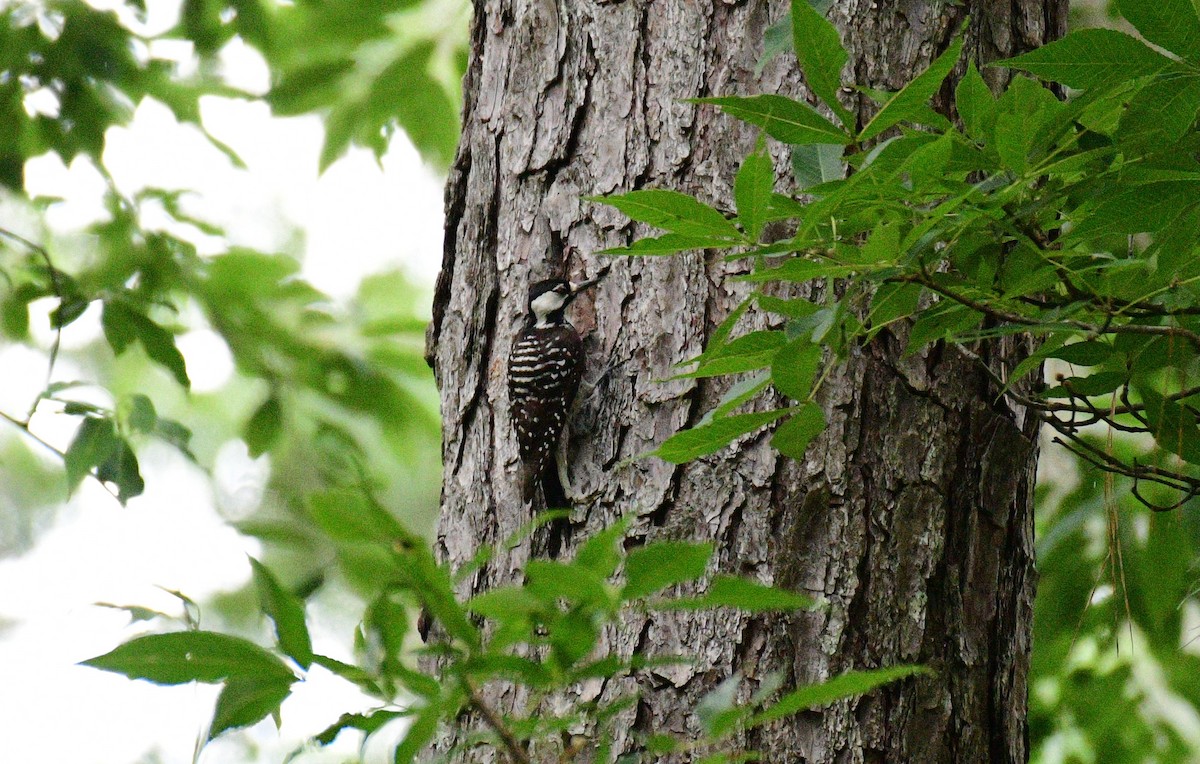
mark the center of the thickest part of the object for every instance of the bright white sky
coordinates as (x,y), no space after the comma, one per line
(358,218)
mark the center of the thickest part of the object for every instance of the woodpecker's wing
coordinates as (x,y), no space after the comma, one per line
(544,369)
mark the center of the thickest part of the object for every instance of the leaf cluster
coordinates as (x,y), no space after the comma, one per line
(541,634)
(1072,222)
(368,68)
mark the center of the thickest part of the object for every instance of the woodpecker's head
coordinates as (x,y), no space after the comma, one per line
(549,299)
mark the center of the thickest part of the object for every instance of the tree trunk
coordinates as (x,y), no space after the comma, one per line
(911,515)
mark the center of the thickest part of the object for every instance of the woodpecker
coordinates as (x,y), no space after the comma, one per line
(544,369)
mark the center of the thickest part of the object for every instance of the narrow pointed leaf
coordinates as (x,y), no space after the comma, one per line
(1170,24)
(913,98)
(845,686)
(783,118)
(752,189)
(286,610)
(673,211)
(819,49)
(661,564)
(690,444)
(1092,58)
(975,103)
(190,656)
(243,702)
(741,594)
(793,436)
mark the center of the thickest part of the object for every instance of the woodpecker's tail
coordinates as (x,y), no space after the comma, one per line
(544,479)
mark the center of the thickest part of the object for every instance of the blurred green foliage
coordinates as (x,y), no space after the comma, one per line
(1116,660)
(336,394)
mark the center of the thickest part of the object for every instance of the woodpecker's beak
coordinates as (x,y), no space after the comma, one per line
(577,287)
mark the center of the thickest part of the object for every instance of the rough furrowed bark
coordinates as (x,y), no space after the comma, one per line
(911,516)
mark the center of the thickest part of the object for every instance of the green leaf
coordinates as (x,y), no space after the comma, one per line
(785,119)
(1022,108)
(504,602)
(306,88)
(419,734)
(801,269)
(366,722)
(797,308)
(975,103)
(893,302)
(14,316)
(663,563)
(599,553)
(739,393)
(741,594)
(776,39)
(121,468)
(352,674)
(795,368)
(432,585)
(793,436)
(659,744)
(690,444)
(573,637)
(1143,208)
(136,612)
(942,321)
(94,442)
(551,580)
(385,624)
(347,515)
(746,353)
(752,190)
(816,163)
(1173,426)
(265,427)
(246,701)
(669,244)
(1087,353)
(848,685)
(912,99)
(883,247)
(1100,383)
(819,50)
(176,434)
(137,412)
(1092,58)
(673,211)
(1161,112)
(1170,24)
(70,307)
(123,325)
(191,656)
(286,610)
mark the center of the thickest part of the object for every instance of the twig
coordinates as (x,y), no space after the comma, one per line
(515,751)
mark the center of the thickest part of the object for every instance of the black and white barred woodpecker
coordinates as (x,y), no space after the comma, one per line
(544,370)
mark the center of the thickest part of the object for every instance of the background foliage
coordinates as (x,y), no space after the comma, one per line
(1080,231)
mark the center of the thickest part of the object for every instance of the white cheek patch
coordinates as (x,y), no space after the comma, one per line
(546,303)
